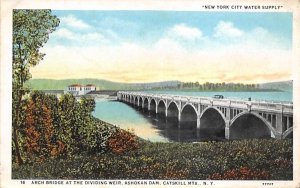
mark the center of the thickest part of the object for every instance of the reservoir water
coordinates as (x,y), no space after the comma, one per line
(159,129)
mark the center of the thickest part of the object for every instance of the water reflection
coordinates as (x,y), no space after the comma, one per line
(126,117)
(174,130)
(148,125)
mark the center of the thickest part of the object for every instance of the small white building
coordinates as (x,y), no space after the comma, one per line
(89,87)
(77,89)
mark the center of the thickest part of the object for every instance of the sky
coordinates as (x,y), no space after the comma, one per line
(150,46)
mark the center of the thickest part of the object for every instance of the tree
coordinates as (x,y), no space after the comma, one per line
(39,130)
(69,121)
(31,29)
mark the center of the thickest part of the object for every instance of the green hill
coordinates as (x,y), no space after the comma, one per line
(51,84)
(283,85)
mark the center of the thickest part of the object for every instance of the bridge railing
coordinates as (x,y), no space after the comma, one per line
(286,108)
(221,102)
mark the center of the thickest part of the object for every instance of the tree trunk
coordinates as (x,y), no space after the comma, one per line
(18,154)
(15,131)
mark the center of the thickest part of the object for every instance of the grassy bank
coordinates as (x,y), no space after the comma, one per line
(245,159)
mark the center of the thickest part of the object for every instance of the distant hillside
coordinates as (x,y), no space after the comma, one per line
(51,84)
(156,85)
(283,85)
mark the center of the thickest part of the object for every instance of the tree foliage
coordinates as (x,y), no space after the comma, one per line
(122,141)
(255,159)
(207,86)
(31,29)
(61,126)
(40,138)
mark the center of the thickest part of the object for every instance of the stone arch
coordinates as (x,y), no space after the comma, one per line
(288,133)
(168,105)
(131,99)
(213,107)
(140,101)
(161,108)
(136,100)
(189,104)
(153,105)
(250,125)
(146,103)
(188,117)
(161,100)
(212,124)
(172,112)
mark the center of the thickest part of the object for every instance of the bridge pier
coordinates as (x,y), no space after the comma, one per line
(227,130)
(279,123)
(227,121)
(198,122)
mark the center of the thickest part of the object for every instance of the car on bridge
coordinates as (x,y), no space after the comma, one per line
(218,97)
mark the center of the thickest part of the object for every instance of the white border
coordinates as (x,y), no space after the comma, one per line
(187,5)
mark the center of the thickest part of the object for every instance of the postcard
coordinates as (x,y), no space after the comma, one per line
(149,94)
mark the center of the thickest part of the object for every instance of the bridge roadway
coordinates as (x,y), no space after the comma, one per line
(231,119)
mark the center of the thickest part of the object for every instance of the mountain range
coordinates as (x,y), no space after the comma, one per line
(282,85)
(52,84)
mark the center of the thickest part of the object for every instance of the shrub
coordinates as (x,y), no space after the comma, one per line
(40,140)
(95,135)
(243,173)
(53,126)
(122,141)
(266,160)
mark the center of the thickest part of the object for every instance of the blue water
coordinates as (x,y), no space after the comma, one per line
(127,117)
(155,129)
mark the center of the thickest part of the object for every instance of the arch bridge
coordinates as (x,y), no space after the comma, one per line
(231,119)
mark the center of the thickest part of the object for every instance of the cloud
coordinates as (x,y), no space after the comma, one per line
(116,23)
(279,76)
(264,39)
(64,33)
(168,45)
(227,36)
(227,29)
(185,32)
(181,53)
(73,22)
(96,37)
(179,38)
(66,36)
(131,62)
(73,31)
